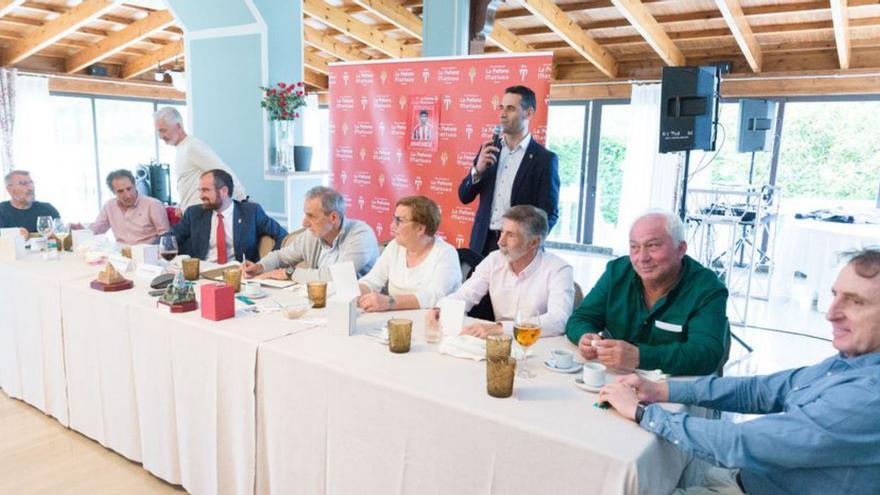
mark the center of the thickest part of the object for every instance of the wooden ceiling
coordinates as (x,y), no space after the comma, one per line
(592,41)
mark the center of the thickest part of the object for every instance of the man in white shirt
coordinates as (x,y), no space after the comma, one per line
(192,158)
(520,275)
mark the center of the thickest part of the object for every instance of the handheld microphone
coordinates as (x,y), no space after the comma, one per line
(496,142)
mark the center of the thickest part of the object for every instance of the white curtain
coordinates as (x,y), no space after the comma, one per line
(7,119)
(650,179)
(34,133)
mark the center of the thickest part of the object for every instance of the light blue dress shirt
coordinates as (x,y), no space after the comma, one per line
(820,433)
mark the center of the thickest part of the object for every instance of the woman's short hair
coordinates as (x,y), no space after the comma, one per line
(424,211)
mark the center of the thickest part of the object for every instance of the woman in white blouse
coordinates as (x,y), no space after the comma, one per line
(417,268)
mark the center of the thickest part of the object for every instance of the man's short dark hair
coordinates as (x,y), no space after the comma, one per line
(527,96)
(866,262)
(221,178)
(119,174)
(423,112)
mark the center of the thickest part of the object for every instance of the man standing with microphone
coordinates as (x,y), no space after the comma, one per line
(512,171)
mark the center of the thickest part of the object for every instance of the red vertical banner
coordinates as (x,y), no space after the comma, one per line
(414,126)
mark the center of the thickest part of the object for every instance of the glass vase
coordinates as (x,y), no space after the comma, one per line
(284,145)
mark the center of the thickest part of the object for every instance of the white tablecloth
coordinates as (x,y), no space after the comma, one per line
(31,339)
(813,248)
(173,391)
(343,415)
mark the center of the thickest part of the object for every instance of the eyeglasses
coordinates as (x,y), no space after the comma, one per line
(397,220)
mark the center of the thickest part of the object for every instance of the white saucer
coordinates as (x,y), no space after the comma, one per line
(574,368)
(579,383)
(259,295)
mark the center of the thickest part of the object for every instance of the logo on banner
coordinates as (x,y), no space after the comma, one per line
(463,214)
(496,101)
(402,101)
(398,129)
(404,76)
(440,186)
(545,72)
(497,73)
(345,78)
(447,100)
(381,155)
(379,230)
(448,132)
(363,129)
(343,176)
(443,158)
(345,103)
(470,103)
(380,205)
(420,157)
(347,199)
(383,76)
(382,128)
(472,73)
(540,134)
(426,74)
(364,77)
(400,181)
(418,183)
(465,159)
(383,102)
(345,128)
(468,131)
(523,72)
(381,180)
(448,75)
(361,202)
(459,240)
(399,155)
(363,153)
(362,178)
(364,102)
(344,153)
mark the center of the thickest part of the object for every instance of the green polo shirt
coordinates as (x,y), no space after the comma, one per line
(685,333)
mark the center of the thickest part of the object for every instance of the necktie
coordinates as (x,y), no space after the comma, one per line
(221,239)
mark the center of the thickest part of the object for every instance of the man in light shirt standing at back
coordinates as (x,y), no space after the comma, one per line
(192,158)
(520,275)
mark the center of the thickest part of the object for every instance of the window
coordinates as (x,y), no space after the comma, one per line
(90,138)
(613,135)
(565,136)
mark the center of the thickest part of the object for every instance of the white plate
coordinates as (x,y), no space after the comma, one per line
(574,368)
(579,383)
(259,295)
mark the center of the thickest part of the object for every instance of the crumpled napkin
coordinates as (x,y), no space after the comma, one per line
(470,347)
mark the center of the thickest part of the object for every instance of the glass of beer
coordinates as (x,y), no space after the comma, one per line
(526,331)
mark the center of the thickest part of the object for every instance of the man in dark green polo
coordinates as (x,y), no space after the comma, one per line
(662,308)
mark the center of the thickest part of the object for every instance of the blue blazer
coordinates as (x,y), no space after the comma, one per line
(249,223)
(536,184)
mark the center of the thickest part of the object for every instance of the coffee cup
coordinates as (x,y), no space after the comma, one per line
(594,374)
(562,359)
(251,288)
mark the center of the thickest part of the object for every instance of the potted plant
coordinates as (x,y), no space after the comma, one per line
(283,103)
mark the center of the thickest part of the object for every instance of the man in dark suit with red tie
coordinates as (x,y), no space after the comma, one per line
(520,172)
(220,229)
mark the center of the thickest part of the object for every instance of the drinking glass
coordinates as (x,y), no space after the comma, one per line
(62,230)
(44,227)
(526,331)
(168,247)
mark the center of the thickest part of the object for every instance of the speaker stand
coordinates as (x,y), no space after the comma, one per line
(682,210)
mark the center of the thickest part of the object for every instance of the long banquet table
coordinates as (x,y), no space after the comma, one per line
(344,415)
(258,403)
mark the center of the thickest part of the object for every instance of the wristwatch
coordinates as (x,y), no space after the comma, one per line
(289,271)
(640,413)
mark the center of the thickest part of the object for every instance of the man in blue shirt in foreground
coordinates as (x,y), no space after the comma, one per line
(820,432)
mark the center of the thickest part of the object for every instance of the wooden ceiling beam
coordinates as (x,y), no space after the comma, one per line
(563,25)
(733,15)
(316,63)
(507,41)
(150,61)
(642,20)
(348,25)
(840,20)
(327,43)
(396,14)
(118,41)
(7,6)
(56,29)
(316,80)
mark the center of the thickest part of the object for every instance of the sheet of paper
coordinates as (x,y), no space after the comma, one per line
(345,279)
(11,232)
(451,316)
(276,284)
(305,275)
(121,263)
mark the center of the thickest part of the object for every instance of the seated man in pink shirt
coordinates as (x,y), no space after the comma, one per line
(135,219)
